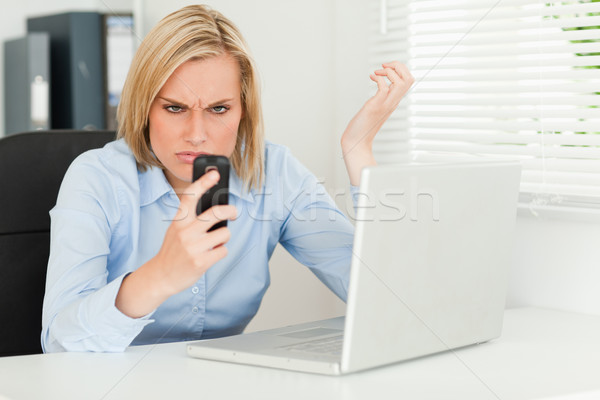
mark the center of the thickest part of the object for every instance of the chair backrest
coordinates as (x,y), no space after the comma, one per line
(32,166)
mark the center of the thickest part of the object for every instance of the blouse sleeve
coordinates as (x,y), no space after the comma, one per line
(79,312)
(314,230)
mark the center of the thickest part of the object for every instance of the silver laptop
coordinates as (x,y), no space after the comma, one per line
(431,254)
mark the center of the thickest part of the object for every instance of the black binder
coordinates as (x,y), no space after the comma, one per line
(26,83)
(77,68)
(118,49)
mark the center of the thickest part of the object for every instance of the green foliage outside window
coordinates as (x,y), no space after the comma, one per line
(585,41)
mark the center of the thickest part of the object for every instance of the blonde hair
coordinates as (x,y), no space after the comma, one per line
(192,33)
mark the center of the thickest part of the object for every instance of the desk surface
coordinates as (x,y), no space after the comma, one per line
(541,354)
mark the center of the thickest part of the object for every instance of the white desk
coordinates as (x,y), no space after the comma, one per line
(541,354)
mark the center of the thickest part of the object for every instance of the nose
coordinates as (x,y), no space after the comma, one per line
(197,132)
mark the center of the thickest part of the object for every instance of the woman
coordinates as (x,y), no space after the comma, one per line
(130,262)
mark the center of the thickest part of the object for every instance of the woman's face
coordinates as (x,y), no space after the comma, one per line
(197,111)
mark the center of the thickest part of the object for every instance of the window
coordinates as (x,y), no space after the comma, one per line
(503,78)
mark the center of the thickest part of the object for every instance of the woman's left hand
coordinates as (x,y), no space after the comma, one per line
(357,140)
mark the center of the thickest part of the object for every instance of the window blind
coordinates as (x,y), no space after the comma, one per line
(497,78)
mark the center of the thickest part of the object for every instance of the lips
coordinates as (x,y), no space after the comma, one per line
(188,157)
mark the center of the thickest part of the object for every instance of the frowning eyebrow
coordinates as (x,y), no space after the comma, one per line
(181,104)
(174,102)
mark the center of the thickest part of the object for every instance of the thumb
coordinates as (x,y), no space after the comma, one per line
(189,199)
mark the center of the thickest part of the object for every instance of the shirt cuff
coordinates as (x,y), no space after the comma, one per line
(354,194)
(117,329)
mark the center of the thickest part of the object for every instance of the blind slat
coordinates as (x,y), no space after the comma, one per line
(491,138)
(544,125)
(529,162)
(499,12)
(478,38)
(404,39)
(506,75)
(495,62)
(501,100)
(454,4)
(494,25)
(510,49)
(501,87)
(510,113)
(530,150)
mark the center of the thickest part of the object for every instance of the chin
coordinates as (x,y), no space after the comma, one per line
(182,174)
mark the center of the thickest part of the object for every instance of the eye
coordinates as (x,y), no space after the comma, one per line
(174,109)
(220,109)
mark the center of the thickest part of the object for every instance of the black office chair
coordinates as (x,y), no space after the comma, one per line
(32,166)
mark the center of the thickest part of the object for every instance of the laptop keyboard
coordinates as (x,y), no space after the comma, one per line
(329,345)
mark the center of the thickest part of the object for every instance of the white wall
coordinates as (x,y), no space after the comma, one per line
(557,262)
(13,23)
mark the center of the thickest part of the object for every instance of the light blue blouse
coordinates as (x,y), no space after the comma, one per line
(110,219)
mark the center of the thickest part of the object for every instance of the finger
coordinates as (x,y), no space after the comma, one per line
(217,214)
(400,85)
(382,87)
(395,65)
(392,64)
(210,240)
(397,93)
(404,73)
(391,74)
(192,194)
(211,257)
(400,69)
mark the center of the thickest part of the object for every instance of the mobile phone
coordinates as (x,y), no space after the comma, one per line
(219,193)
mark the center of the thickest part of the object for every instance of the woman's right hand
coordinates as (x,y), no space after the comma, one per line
(187,252)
